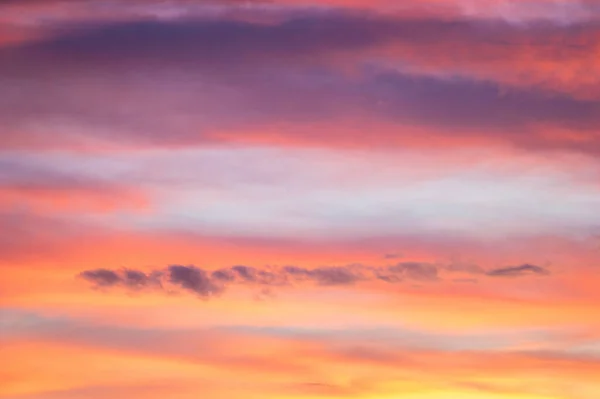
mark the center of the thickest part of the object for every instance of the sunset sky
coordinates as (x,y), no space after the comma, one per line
(300,199)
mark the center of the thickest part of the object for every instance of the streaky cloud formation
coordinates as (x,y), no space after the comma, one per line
(206,283)
(517,271)
(405,71)
(41,188)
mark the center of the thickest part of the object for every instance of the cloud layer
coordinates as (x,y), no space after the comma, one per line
(222,80)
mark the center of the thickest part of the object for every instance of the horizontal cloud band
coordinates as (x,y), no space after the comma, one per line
(227,80)
(208,283)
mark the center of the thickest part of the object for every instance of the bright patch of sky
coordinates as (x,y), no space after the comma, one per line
(286,192)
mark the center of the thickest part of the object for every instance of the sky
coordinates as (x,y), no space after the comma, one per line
(300,199)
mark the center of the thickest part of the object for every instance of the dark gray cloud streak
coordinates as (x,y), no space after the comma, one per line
(517,271)
(206,284)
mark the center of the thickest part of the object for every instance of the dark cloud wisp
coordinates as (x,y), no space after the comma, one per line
(207,284)
(517,271)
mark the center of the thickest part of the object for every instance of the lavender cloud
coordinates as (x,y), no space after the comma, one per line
(112,81)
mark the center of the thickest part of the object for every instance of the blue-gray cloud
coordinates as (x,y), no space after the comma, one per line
(206,283)
(516,271)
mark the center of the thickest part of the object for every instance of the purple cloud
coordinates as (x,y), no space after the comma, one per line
(517,271)
(208,284)
(192,82)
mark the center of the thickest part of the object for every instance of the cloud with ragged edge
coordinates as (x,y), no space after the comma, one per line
(209,283)
(530,94)
(517,271)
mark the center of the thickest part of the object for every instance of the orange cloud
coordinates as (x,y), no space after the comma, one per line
(278,366)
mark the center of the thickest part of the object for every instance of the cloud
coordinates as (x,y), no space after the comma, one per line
(516,271)
(136,279)
(193,279)
(23,184)
(522,11)
(105,277)
(225,80)
(492,50)
(416,270)
(292,353)
(208,284)
(211,283)
(333,275)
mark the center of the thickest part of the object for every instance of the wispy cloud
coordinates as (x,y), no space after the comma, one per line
(43,187)
(210,283)
(516,271)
